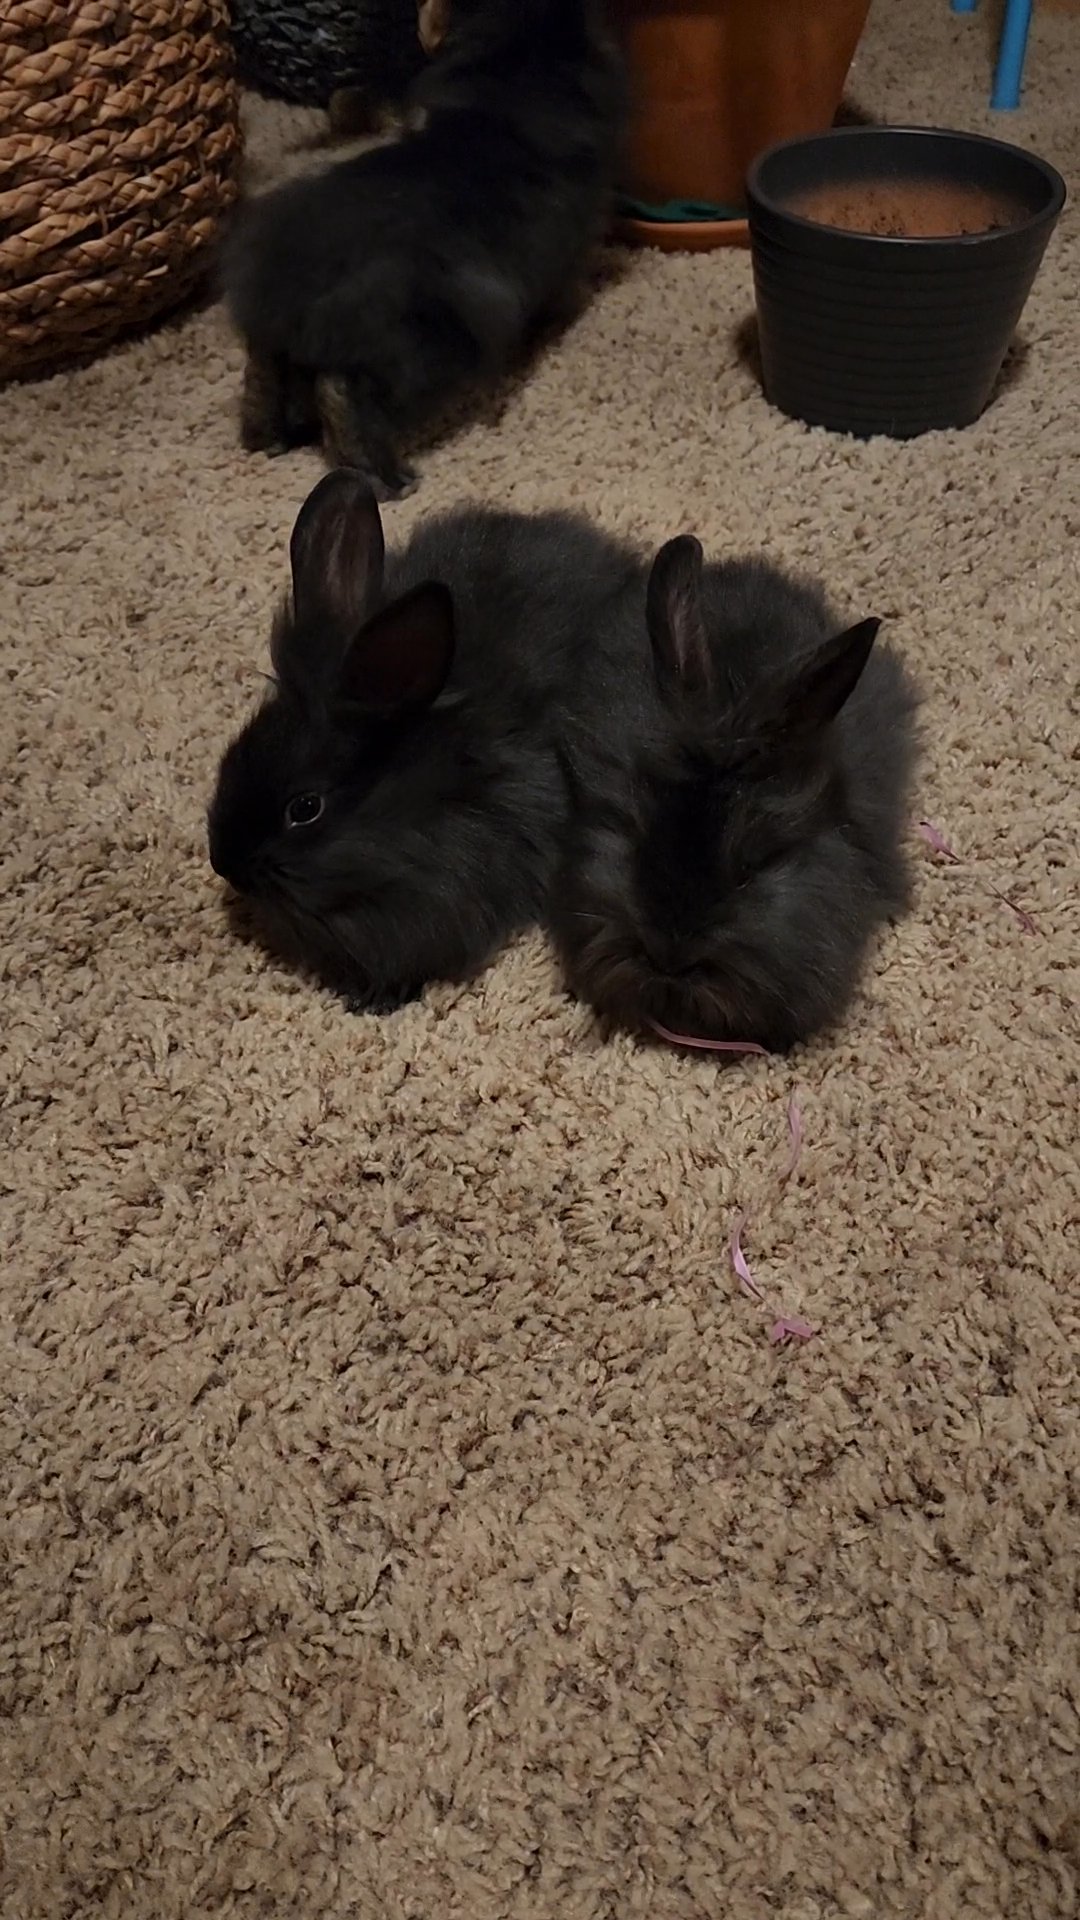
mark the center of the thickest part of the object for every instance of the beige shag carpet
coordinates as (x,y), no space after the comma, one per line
(405,1515)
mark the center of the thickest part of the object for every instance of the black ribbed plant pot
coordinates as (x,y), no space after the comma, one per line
(883,333)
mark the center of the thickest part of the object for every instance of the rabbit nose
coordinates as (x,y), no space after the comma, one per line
(665,951)
(228,863)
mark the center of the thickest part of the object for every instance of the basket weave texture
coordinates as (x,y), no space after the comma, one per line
(119,141)
(303,50)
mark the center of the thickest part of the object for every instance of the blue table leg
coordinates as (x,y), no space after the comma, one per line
(1010,61)
(964,6)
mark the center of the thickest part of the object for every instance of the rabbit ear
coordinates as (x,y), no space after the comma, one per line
(827,680)
(433,22)
(337,553)
(673,615)
(402,657)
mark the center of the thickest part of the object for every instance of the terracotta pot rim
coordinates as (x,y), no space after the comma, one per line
(683,236)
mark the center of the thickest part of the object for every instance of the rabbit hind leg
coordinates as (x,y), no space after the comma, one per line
(277,405)
(357,433)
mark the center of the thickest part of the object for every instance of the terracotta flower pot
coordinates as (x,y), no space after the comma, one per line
(714,82)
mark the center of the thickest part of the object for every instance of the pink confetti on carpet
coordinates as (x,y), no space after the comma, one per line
(790,1327)
(706,1046)
(935,838)
(738,1260)
(795,1137)
(1026,920)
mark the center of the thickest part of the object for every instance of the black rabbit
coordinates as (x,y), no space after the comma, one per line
(395,808)
(741,804)
(375,294)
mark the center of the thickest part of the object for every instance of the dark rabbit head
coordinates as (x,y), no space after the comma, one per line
(761,839)
(395,809)
(317,793)
(505,55)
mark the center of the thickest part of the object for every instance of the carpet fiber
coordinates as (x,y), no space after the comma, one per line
(404,1512)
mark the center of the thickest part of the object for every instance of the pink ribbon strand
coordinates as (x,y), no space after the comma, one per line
(706,1046)
(738,1260)
(790,1327)
(936,840)
(795,1137)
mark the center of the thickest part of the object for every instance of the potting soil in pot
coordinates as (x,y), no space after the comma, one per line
(908,209)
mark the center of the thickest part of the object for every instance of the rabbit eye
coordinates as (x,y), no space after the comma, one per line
(303,809)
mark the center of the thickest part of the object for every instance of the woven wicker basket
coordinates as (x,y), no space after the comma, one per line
(119,138)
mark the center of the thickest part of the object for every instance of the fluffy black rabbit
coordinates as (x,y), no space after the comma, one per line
(373,295)
(740,807)
(394,809)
